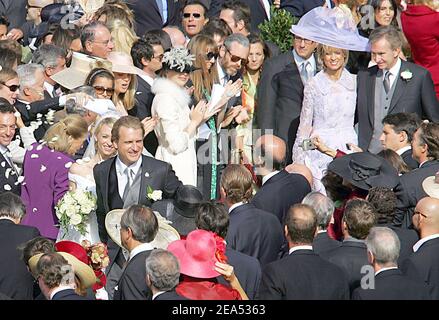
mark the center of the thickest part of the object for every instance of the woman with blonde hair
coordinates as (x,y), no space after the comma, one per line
(81,177)
(125,83)
(123,36)
(46,167)
(9,84)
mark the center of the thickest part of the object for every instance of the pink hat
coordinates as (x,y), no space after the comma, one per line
(196,254)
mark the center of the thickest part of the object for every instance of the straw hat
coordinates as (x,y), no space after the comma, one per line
(83,271)
(431,186)
(91,6)
(165,235)
(122,63)
(75,75)
(331,27)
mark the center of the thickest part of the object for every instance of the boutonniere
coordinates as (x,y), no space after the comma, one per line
(406,75)
(153,195)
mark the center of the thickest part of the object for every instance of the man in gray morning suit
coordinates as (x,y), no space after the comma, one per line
(392,86)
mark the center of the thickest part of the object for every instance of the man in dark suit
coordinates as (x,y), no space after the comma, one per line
(384,201)
(324,209)
(162,275)
(302,274)
(359,217)
(123,180)
(280,91)
(147,56)
(154,14)
(280,189)
(423,263)
(15,12)
(392,86)
(214,217)
(15,280)
(56,276)
(138,226)
(389,282)
(397,135)
(8,171)
(252,231)
(409,191)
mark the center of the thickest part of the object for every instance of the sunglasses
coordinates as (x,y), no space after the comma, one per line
(101,90)
(12,88)
(195,15)
(210,55)
(236,58)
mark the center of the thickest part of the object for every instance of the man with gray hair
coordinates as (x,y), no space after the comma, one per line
(35,110)
(15,280)
(138,227)
(324,208)
(53,59)
(389,283)
(384,88)
(96,40)
(162,275)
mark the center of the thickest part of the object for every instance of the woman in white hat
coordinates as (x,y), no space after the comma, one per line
(178,124)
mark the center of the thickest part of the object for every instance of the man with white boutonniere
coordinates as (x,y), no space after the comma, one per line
(127,179)
(392,86)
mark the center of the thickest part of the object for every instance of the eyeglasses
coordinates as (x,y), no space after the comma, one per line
(12,88)
(236,58)
(106,42)
(210,55)
(101,90)
(299,39)
(195,15)
(420,213)
(159,57)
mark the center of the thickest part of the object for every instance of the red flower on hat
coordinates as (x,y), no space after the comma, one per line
(98,259)
(220,253)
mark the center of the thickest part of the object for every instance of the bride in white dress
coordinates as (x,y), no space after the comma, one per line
(81,177)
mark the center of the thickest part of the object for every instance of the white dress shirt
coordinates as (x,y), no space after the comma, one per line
(385,269)
(155,295)
(140,248)
(268,176)
(394,72)
(424,240)
(306,247)
(311,68)
(236,205)
(149,80)
(266,5)
(403,149)
(121,176)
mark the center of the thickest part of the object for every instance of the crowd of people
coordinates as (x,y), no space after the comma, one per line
(168,150)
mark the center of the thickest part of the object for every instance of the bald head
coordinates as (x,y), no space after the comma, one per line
(426,216)
(301,224)
(300,169)
(177,37)
(272,151)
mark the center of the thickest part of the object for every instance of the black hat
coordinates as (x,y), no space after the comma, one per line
(182,210)
(365,170)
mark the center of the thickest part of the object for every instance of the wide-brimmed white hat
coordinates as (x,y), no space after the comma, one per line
(331,27)
(75,75)
(122,62)
(83,271)
(164,237)
(431,187)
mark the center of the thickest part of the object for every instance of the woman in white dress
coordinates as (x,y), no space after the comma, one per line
(81,177)
(328,111)
(178,124)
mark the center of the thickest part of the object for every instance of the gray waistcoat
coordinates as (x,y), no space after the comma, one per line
(133,193)
(382,105)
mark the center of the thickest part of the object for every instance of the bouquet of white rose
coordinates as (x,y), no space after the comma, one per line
(73,209)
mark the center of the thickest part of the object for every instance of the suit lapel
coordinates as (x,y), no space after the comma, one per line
(399,88)
(106,179)
(370,94)
(145,180)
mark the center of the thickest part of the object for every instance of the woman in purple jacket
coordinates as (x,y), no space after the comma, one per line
(46,168)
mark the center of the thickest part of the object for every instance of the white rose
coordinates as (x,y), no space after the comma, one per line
(70,211)
(156,195)
(75,219)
